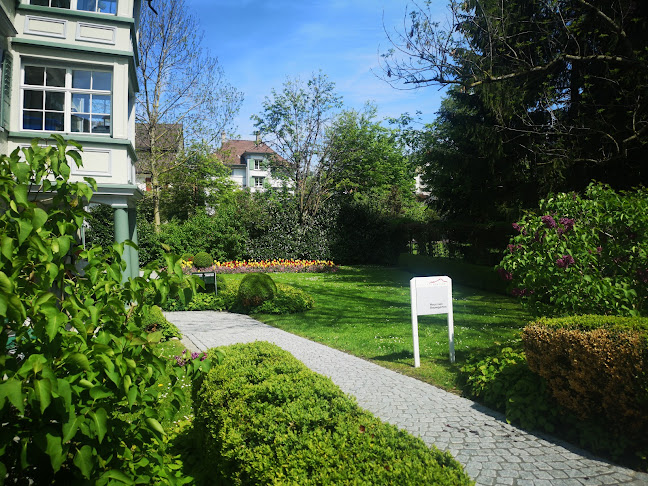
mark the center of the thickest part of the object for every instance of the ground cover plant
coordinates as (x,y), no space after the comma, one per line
(262,417)
(366,311)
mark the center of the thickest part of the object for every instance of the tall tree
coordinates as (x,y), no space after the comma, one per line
(567,79)
(181,85)
(366,158)
(293,122)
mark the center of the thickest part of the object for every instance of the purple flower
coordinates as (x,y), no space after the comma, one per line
(599,249)
(517,227)
(567,223)
(565,261)
(548,221)
(512,248)
(194,355)
(505,275)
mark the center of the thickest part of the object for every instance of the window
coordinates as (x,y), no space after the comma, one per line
(257,164)
(52,3)
(59,99)
(258,181)
(100,6)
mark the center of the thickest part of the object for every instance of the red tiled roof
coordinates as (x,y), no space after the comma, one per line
(231,151)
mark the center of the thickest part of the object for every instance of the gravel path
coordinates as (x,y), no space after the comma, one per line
(492,451)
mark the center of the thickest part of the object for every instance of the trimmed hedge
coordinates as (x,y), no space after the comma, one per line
(254,290)
(202,259)
(262,417)
(287,300)
(468,274)
(594,366)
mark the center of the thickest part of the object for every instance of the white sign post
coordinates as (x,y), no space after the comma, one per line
(431,295)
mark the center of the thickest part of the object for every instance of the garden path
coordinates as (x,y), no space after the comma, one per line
(492,451)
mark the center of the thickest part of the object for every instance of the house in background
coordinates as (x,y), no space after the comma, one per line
(250,162)
(69,67)
(169,142)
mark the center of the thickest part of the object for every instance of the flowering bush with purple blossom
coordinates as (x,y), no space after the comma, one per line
(582,253)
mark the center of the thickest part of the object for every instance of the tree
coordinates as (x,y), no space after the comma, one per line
(293,123)
(181,85)
(567,79)
(200,183)
(366,158)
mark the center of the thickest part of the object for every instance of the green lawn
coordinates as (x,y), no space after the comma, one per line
(366,311)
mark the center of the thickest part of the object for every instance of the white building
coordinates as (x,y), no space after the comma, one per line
(251,162)
(69,67)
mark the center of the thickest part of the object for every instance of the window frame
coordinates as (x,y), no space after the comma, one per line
(68,95)
(258,181)
(257,164)
(74,5)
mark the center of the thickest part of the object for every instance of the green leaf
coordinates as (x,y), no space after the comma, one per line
(155,425)
(117,475)
(100,418)
(25,230)
(43,389)
(132,395)
(39,218)
(70,428)
(7,247)
(99,391)
(55,451)
(6,285)
(80,360)
(12,389)
(83,460)
(20,194)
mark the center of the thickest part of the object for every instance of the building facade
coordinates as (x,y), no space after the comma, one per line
(251,163)
(69,67)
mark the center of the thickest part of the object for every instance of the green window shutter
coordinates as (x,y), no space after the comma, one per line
(250,163)
(5,109)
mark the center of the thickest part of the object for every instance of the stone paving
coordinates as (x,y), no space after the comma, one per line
(492,451)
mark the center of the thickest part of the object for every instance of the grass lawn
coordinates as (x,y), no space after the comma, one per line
(366,311)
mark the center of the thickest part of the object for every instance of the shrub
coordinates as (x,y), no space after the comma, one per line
(582,254)
(594,366)
(287,300)
(254,290)
(262,417)
(77,401)
(154,321)
(203,259)
(188,257)
(505,382)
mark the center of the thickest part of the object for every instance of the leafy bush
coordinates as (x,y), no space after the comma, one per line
(468,274)
(262,417)
(202,259)
(505,382)
(188,257)
(254,290)
(154,321)
(220,235)
(77,403)
(582,254)
(287,300)
(595,366)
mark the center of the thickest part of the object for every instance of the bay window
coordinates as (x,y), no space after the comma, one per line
(57,99)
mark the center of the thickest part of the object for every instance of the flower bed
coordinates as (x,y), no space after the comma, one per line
(266,266)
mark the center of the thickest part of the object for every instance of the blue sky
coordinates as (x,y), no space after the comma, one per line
(260,43)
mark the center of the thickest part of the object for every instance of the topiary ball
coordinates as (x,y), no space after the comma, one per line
(203,260)
(255,289)
(188,257)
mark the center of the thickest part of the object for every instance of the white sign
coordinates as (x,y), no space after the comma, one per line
(431,295)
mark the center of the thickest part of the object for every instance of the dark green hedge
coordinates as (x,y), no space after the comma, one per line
(262,417)
(468,274)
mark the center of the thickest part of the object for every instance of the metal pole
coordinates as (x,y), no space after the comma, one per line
(451,323)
